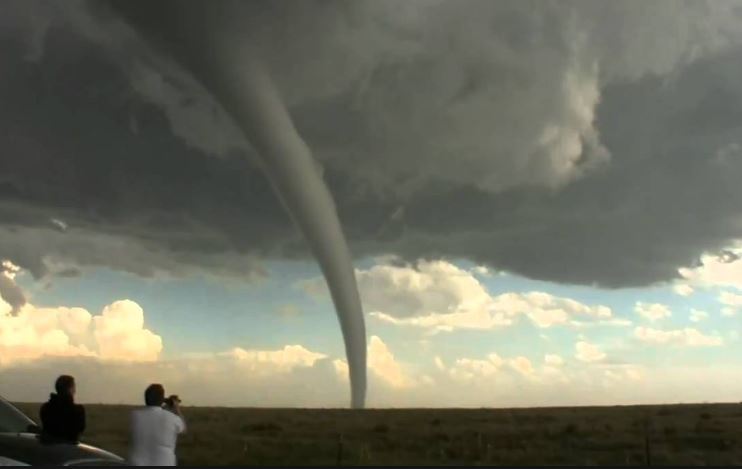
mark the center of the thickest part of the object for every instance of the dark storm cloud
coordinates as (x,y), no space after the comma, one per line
(11,293)
(68,151)
(669,194)
(556,140)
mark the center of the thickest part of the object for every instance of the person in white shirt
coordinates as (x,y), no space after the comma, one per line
(155,430)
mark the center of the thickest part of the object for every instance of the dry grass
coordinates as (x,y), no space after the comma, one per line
(678,435)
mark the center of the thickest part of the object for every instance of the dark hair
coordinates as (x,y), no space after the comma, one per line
(64,385)
(154,395)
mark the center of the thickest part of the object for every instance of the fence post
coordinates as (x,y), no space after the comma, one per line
(364,455)
(647,443)
(340,450)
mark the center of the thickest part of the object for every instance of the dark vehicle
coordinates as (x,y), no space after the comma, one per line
(21,444)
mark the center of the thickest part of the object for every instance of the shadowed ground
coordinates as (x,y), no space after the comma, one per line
(703,434)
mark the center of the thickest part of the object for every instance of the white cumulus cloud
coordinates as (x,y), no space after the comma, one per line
(683,289)
(553,360)
(118,333)
(652,311)
(687,337)
(465,369)
(730,299)
(482,270)
(522,365)
(282,360)
(732,303)
(697,315)
(587,352)
(497,370)
(440,296)
(382,363)
(717,270)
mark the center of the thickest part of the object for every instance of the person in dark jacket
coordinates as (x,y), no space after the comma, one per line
(62,419)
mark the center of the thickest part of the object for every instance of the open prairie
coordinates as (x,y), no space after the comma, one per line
(698,434)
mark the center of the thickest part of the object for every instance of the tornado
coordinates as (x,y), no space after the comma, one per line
(194,35)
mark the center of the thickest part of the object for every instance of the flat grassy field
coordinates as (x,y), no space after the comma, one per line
(703,434)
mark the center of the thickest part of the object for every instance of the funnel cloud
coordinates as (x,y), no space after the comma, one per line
(239,82)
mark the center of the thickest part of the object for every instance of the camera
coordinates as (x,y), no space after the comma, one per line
(172,400)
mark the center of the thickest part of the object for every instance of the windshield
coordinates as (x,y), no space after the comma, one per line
(12,419)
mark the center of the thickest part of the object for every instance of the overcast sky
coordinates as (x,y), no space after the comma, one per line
(542,199)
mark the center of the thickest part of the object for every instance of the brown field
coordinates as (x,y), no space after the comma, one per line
(703,434)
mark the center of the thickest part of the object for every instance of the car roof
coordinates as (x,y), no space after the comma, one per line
(12,419)
(31,449)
